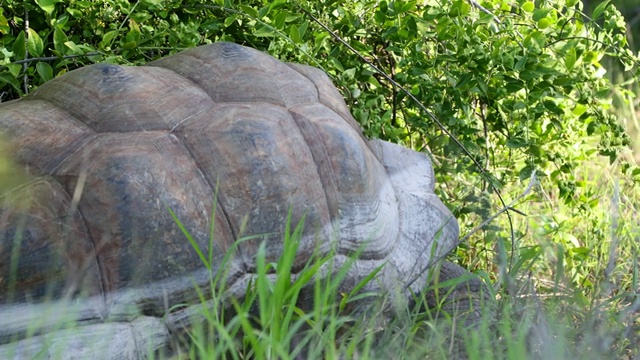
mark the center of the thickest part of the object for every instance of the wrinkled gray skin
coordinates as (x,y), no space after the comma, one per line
(110,148)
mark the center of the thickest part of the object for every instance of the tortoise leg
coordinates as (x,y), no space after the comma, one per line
(456,293)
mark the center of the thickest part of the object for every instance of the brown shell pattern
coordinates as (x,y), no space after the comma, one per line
(224,136)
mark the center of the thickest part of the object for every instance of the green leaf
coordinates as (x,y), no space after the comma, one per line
(408,6)
(4,24)
(133,36)
(59,38)
(513,85)
(130,45)
(447,58)
(249,11)
(579,109)
(460,8)
(540,14)
(516,142)
(412,26)
(276,4)
(535,41)
(294,34)
(263,11)
(337,64)
(44,70)
(19,46)
(552,107)
(519,105)
(34,43)
(74,12)
(264,31)
(302,30)
(525,173)
(544,23)
(74,48)
(384,7)
(521,63)
(463,80)
(47,5)
(230,20)
(483,19)
(107,39)
(570,58)
(14,69)
(528,6)
(600,9)
(280,20)
(11,80)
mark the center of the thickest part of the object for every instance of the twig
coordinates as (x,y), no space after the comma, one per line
(532,181)
(506,208)
(25,78)
(495,18)
(51,58)
(485,10)
(421,106)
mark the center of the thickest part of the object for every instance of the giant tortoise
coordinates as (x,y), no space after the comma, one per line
(220,137)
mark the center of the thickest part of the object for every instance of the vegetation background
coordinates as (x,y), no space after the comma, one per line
(528,109)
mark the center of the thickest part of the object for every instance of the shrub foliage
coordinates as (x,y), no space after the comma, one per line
(519,82)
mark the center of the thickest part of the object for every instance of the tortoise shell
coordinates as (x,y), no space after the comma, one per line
(229,139)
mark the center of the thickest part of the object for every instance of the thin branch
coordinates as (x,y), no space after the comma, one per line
(532,181)
(25,78)
(495,18)
(485,10)
(505,209)
(418,103)
(51,58)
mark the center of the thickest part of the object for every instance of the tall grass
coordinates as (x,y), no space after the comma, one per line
(569,290)
(283,314)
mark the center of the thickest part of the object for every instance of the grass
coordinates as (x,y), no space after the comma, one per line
(570,290)
(284,315)
(567,288)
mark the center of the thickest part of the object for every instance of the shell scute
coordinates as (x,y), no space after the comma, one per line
(218,129)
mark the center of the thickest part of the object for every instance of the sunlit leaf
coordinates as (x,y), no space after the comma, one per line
(570,58)
(59,40)
(4,24)
(600,9)
(34,43)
(528,6)
(47,5)
(74,48)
